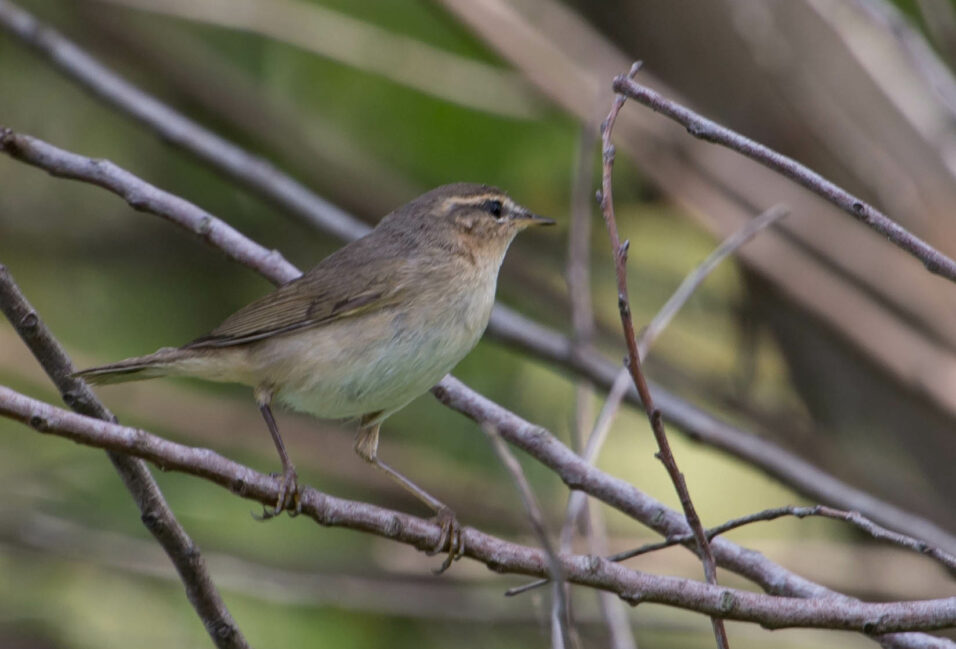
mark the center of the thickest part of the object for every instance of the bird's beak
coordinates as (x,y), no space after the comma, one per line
(529,218)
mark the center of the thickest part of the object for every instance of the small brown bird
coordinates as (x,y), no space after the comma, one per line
(372,326)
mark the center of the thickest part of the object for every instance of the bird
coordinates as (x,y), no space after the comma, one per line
(372,326)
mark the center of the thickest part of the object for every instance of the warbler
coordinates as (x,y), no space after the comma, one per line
(372,326)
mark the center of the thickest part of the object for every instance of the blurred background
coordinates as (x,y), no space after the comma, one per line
(821,337)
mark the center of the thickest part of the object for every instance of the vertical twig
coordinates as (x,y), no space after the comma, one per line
(154,511)
(560,638)
(619,251)
(583,326)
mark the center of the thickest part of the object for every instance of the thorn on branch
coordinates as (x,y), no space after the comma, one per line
(599,197)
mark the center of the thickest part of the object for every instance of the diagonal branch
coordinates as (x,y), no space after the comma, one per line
(560,637)
(250,171)
(701,127)
(633,362)
(507,325)
(578,474)
(502,556)
(854,518)
(154,511)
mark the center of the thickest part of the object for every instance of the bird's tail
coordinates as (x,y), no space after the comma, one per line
(160,363)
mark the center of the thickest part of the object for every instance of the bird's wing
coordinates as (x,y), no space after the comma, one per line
(320,296)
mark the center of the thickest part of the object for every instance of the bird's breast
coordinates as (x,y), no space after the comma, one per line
(383,359)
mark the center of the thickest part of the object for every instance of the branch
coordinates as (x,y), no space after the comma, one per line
(154,511)
(854,518)
(559,612)
(577,474)
(251,172)
(660,321)
(705,129)
(144,197)
(501,556)
(537,340)
(578,277)
(506,325)
(619,252)
(339,37)
(546,343)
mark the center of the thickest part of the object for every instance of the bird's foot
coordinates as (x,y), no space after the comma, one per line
(450,536)
(289,497)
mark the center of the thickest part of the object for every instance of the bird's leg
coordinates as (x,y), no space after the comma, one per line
(289,487)
(366,445)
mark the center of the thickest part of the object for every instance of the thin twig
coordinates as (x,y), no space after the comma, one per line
(578,277)
(342,38)
(251,172)
(701,127)
(506,325)
(854,518)
(578,474)
(534,339)
(154,510)
(699,274)
(145,197)
(619,251)
(577,500)
(559,631)
(837,612)
(546,343)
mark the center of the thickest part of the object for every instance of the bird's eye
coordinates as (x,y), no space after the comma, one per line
(493,207)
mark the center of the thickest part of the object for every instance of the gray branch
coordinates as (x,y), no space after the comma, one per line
(770,611)
(506,325)
(546,343)
(701,127)
(154,511)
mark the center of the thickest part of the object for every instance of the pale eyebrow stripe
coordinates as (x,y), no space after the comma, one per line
(478,199)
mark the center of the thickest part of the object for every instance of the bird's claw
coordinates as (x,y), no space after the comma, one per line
(289,497)
(450,536)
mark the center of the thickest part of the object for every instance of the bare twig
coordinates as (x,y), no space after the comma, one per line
(579,475)
(854,518)
(836,612)
(699,274)
(145,197)
(583,325)
(340,37)
(250,171)
(540,341)
(619,251)
(577,500)
(506,325)
(154,511)
(701,127)
(559,616)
